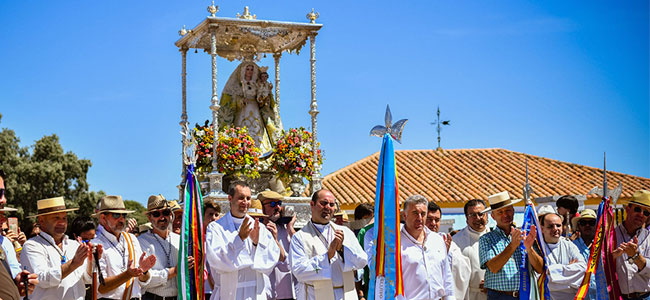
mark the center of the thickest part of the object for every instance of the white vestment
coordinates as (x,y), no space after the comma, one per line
(240,269)
(426,267)
(461,270)
(467,241)
(564,279)
(320,278)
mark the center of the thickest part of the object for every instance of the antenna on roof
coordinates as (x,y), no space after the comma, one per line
(439,125)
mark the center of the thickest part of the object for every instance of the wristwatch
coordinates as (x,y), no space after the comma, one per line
(633,258)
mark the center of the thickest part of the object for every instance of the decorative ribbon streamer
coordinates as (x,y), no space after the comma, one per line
(539,291)
(609,263)
(386,270)
(190,281)
(595,252)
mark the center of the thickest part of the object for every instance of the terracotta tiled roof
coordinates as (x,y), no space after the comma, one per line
(455,176)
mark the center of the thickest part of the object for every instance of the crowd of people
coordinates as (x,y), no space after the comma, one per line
(255,252)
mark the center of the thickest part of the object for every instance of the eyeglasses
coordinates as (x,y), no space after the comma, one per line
(116,215)
(638,209)
(156,213)
(274,203)
(587,222)
(476,215)
(2,193)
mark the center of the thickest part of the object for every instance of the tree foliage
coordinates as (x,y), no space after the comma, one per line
(139,214)
(42,171)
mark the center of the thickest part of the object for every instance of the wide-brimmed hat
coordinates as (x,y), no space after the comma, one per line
(342,213)
(174,205)
(156,202)
(255,210)
(112,204)
(269,195)
(545,210)
(585,214)
(51,206)
(641,197)
(499,201)
(7,209)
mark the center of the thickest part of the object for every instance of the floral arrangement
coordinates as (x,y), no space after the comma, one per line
(236,153)
(293,153)
(204,136)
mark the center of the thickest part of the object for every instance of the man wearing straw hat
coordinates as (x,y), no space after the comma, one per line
(282,281)
(499,251)
(63,266)
(585,230)
(240,252)
(633,248)
(163,285)
(124,266)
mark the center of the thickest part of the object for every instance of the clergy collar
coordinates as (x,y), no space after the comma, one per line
(487,229)
(321,227)
(237,218)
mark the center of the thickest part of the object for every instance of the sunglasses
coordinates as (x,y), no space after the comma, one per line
(476,215)
(157,213)
(116,215)
(274,203)
(2,193)
(645,212)
(587,222)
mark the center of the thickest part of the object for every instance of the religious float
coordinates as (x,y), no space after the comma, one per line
(245,138)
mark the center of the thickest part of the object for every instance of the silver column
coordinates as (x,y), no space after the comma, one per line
(315,177)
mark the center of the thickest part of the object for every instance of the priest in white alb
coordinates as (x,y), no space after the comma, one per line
(241,252)
(426,269)
(324,255)
(467,241)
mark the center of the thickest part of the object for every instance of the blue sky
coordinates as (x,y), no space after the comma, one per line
(564,80)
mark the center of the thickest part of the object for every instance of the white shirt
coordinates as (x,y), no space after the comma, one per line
(630,278)
(467,241)
(564,279)
(426,269)
(41,256)
(239,266)
(166,252)
(460,270)
(307,269)
(282,281)
(114,261)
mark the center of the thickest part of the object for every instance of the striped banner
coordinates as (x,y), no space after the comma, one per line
(526,290)
(190,281)
(386,269)
(595,252)
(609,263)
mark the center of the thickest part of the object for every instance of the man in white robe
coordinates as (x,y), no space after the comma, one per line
(240,252)
(324,255)
(467,241)
(426,267)
(460,263)
(566,266)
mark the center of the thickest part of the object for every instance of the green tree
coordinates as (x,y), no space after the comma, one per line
(139,214)
(42,171)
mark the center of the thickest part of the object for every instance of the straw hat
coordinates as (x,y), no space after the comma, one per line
(545,210)
(156,202)
(174,205)
(7,209)
(641,197)
(112,204)
(51,206)
(585,214)
(145,227)
(269,195)
(342,213)
(255,210)
(499,201)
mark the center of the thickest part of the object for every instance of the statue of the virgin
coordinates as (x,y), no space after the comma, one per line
(247,101)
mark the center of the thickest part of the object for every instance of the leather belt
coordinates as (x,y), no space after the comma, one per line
(636,295)
(514,294)
(311,285)
(156,297)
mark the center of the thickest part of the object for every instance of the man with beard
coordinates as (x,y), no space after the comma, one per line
(282,281)
(63,266)
(164,243)
(633,252)
(324,255)
(565,265)
(585,225)
(123,277)
(459,263)
(499,249)
(467,241)
(240,251)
